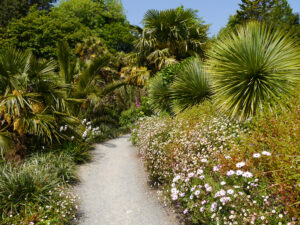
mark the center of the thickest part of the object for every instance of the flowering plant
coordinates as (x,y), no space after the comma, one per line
(193,158)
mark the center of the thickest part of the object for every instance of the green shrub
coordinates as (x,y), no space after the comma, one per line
(62,168)
(277,133)
(19,186)
(130,116)
(159,94)
(169,73)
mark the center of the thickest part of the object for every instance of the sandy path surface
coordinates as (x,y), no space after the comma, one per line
(114,189)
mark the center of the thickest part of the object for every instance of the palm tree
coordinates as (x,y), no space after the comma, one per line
(254,66)
(172,34)
(32,101)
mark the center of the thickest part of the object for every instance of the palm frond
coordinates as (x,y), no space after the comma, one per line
(6,141)
(111,87)
(64,61)
(87,76)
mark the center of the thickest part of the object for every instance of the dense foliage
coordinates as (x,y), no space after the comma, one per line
(276,12)
(37,191)
(72,21)
(15,9)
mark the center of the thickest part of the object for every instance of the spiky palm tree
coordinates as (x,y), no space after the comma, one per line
(254,66)
(191,86)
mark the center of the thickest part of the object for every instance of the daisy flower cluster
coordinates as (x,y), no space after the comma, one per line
(193,163)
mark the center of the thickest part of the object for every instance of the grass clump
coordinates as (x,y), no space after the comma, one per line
(37,191)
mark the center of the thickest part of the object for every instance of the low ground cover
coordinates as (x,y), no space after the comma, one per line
(220,171)
(38,191)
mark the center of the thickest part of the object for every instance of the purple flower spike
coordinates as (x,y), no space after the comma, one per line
(137,102)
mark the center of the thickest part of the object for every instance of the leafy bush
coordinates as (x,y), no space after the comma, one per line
(130,116)
(255,66)
(197,160)
(169,72)
(159,94)
(20,186)
(62,168)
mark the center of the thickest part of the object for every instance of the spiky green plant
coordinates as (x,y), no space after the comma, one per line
(254,66)
(190,87)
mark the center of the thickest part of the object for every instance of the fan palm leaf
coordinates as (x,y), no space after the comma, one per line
(16,102)
(41,125)
(255,65)
(14,65)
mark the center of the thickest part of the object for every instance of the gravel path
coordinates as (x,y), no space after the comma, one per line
(114,189)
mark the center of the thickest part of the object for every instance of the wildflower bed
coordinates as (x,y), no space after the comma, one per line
(198,161)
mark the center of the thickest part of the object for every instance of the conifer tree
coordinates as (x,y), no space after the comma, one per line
(254,10)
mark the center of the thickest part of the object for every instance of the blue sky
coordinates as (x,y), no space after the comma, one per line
(214,12)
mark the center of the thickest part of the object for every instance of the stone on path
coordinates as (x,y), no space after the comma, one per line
(114,189)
